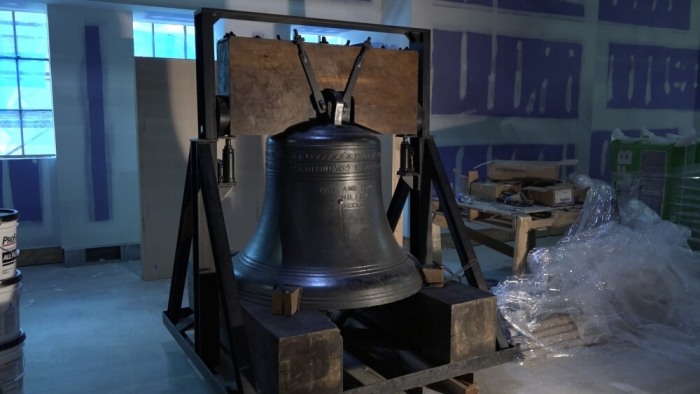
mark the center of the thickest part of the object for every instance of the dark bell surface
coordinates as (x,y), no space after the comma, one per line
(323,226)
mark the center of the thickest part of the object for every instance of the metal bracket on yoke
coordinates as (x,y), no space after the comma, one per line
(406,161)
(354,74)
(319,102)
(336,105)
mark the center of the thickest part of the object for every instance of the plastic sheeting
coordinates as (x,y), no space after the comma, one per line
(620,274)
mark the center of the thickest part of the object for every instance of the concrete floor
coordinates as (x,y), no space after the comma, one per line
(98,329)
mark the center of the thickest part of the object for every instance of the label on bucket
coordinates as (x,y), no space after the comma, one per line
(9,257)
(8,246)
(9,241)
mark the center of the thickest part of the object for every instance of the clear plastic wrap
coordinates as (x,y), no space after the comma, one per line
(620,274)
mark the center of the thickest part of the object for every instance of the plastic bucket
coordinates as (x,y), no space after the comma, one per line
(10,291)
(12,366)
(8,242)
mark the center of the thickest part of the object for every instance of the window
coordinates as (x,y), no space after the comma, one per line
(315,38)
(163,40)
(26,106)
(315,34)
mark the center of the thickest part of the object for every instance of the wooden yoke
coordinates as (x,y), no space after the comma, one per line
(268,90)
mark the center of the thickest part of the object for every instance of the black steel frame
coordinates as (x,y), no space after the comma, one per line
(202,228)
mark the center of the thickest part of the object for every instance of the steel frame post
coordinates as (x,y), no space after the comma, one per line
(206,74)
(398,200)
(215,291)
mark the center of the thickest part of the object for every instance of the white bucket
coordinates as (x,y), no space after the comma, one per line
(8,242)
(12,366)
(10,291)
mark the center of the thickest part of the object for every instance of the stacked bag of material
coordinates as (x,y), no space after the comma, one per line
(662,172)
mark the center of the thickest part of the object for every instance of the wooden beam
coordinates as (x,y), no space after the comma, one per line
(268,90)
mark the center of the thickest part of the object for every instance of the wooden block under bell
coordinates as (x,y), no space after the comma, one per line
(450,323)
(294,354)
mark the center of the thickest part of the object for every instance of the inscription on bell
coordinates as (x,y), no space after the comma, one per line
(320,169)
(360,187)
(324,162)
(333,156)
(349,196)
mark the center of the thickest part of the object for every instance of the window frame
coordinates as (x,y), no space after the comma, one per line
(24,114)
(153,44)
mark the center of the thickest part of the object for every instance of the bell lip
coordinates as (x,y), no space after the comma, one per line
(373,292)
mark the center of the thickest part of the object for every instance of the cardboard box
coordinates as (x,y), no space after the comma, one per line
(505,170)
(490,191)
(561,194)
(467,180)
(580,195)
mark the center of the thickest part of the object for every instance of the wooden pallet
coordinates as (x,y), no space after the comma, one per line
(431,340)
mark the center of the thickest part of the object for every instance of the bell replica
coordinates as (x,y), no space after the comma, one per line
(323,226)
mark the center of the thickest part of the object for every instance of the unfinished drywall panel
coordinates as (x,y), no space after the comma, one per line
(94,116)
(508,85)
(167,121)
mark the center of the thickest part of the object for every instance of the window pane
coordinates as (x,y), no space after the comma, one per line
(32,35)
(189,33)
(10,133)
(143,39)
(7,34)
(25,83)
(312,38)
(35,84)
(38,133)
(169,40)
(335,40)
(9,94)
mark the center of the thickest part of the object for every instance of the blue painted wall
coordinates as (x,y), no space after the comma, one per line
(556,7)
(505,76)
(551,79)
(653,77)
(674,14)
(22,190)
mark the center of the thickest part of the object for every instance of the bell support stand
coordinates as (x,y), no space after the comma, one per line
(211,329)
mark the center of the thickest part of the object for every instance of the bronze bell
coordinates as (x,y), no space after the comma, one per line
(323,226)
